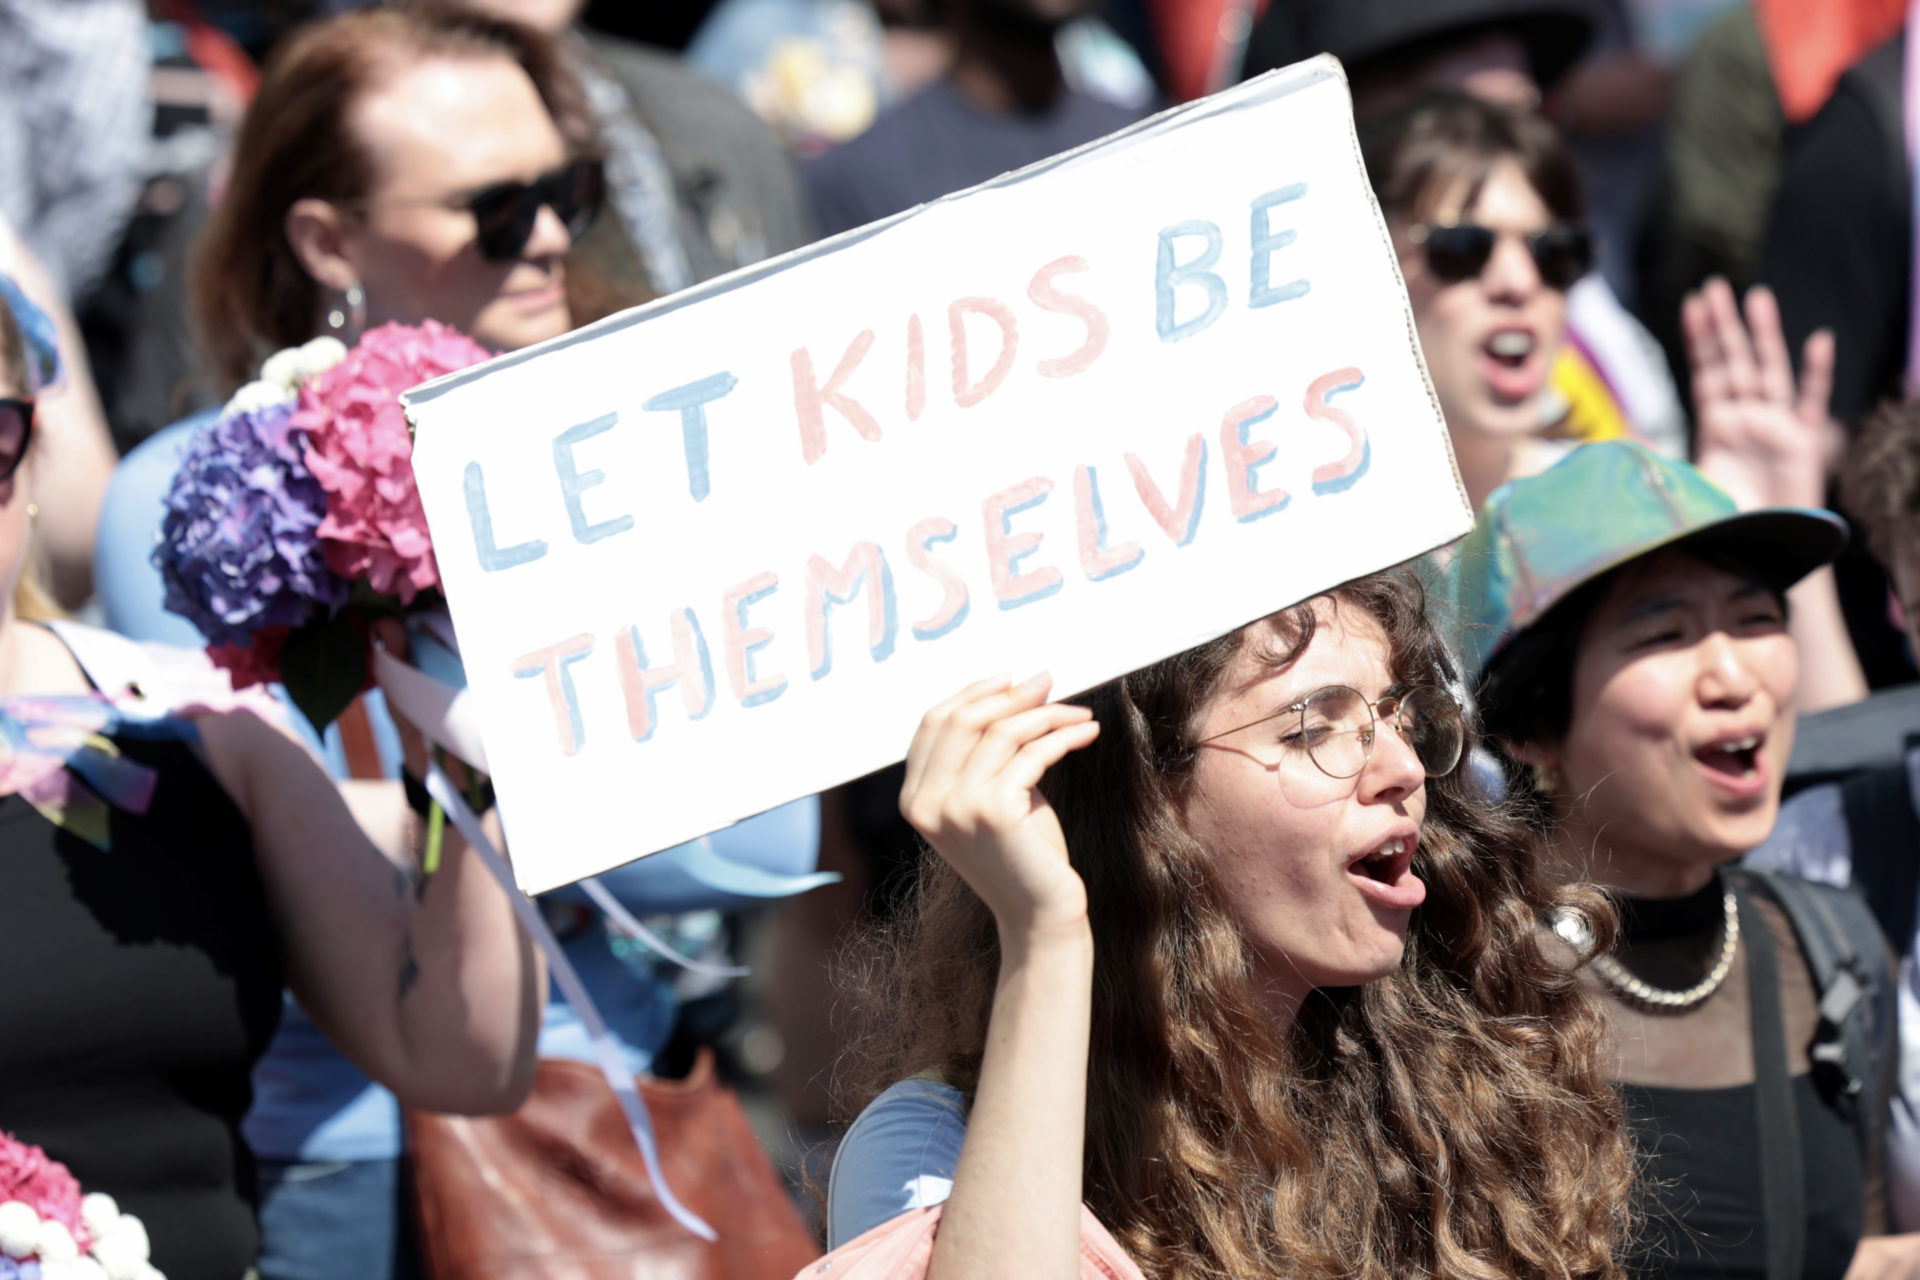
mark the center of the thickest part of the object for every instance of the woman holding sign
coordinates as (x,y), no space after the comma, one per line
(1231,950)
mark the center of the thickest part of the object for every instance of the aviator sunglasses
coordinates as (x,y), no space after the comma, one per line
(16,428)
(1461,250)
(504,213)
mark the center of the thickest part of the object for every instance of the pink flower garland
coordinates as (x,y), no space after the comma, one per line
(359,451)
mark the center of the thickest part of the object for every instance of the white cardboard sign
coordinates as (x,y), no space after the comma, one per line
(722,551)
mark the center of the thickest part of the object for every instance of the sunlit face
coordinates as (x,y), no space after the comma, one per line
(1682,715)
(437,132)
(1317,869)
(1490,341)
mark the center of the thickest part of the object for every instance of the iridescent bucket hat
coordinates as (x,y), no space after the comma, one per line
(1541,538)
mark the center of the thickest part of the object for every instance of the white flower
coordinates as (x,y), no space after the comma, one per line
(98,1213)
(86,1269)
(320,355)
(19,1229)
(134,1232)
(123,1247)
(282,369)
(56,1243)
(150,1272)
(256,396)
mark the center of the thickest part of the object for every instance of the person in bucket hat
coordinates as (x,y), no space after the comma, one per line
(1627,627)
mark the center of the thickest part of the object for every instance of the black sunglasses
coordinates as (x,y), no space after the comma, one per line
(504,213)
(1461,250)
(16,428)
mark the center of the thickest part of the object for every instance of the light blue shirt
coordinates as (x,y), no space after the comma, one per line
(899,1155)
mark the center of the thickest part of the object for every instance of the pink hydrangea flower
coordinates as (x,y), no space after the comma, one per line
(359,451)
(45,1185)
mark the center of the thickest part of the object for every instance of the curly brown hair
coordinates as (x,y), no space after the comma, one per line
(1880,480)
(1452,1119)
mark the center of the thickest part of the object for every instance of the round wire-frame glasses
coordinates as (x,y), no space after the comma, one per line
(1336,727)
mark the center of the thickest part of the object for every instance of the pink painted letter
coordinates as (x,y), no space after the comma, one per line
(810,398)
(966,394)
(1005,548)
(1048,298)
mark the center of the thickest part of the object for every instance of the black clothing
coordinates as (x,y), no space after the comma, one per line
(1700,1190)
(140,985)
(1688,1081)
(1837,243)
(1837,254)
(1386,35)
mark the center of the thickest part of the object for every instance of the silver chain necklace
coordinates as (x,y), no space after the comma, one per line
(1615,975)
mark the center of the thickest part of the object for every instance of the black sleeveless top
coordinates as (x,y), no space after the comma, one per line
(1700,1188)
(1700,1196)
(137,988)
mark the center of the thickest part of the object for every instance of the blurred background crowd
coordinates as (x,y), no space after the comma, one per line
(1582,191)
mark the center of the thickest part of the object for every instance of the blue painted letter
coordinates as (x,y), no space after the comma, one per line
(1169,275)
(691,402)
(494,558)
(1266,241)
(574,482)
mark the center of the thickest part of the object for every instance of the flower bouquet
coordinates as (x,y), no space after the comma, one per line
(49,1231)
(294,522)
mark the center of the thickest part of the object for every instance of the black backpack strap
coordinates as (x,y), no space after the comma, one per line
(1883,832)
(1782,1162)
(1854,982)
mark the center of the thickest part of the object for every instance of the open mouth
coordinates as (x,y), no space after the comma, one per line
(1510,348)
(1737,759)
(1385,865)
(1385,874)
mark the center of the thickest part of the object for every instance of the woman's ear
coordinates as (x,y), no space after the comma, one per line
(321,238)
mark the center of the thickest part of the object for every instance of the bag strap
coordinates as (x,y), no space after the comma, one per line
(1783,1194)
(1883,832)
(1854,1043)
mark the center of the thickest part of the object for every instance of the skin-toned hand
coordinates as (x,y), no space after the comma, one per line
(1761,437)
(1768,443)
(972,789)
(1886,1258)
(973,773)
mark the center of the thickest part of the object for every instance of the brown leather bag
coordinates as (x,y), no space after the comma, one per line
(557,1190)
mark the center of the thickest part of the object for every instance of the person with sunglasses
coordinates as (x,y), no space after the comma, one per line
(1232,950)
(1627,626)
(1484,206)
(401,163)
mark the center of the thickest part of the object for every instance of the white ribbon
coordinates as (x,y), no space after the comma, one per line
(605,1050)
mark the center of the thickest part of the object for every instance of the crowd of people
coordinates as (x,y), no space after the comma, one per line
(1546,907)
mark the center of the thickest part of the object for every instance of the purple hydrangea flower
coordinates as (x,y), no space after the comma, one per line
(239,549)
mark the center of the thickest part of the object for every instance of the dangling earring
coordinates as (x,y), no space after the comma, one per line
(353,318)
(33,511)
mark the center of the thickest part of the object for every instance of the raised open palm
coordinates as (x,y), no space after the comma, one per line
(1757,434)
